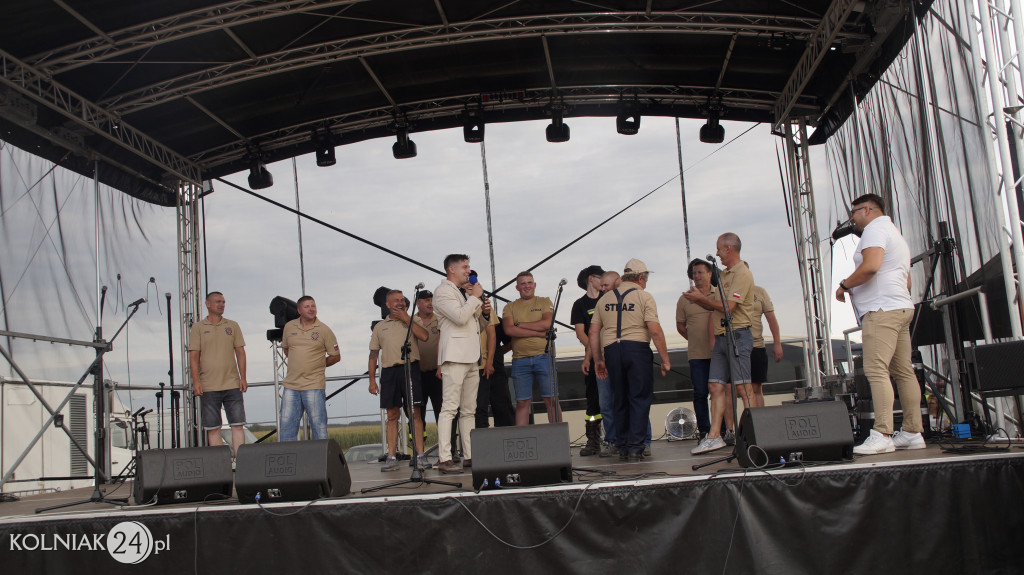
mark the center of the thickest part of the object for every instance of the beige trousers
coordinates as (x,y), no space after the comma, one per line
(459,384)
(886,352)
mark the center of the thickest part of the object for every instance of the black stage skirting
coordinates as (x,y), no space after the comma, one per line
(954,515)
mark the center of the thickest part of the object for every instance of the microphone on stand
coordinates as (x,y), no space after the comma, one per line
(844,229)
(137,302)
(419,286)
(714,270)
(562,283)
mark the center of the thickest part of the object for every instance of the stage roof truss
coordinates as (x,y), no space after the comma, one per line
(178,77)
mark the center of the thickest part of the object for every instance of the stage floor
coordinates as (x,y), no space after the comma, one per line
(923,509)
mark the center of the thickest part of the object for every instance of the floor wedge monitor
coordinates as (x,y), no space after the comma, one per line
(185,475)
(812,431)
(521,456)
(291,471)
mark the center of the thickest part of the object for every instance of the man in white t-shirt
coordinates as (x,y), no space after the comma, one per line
(880,293)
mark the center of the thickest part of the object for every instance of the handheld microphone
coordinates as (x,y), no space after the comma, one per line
(419,286)
(844,229)
(562,283)
(472,279)
(137,302)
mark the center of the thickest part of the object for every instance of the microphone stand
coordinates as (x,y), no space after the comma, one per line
(410,413)
(549,348)
(100,425)
(733,353)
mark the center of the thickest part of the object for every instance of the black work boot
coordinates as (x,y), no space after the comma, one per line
(593,446)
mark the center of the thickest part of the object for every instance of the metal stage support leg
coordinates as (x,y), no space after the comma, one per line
(805,236)
(190,296)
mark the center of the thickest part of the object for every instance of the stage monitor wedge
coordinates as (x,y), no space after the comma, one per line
(291,471)
(185,475)
(521,456)
(811,431)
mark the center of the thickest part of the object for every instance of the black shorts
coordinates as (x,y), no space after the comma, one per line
(759,365)
(392,386)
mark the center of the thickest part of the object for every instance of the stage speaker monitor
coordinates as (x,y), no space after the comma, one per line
(999,365)
(812,431)
(291,471)
(521,456)
(184,475)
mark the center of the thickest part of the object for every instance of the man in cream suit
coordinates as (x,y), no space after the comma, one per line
(461,313)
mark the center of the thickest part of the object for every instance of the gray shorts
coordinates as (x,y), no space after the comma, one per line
(721,371)
(231,399)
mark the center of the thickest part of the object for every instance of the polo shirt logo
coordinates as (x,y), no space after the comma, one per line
(315,336)
(229,331)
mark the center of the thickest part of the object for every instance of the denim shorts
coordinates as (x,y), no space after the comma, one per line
(233,404)
(721,366)
(526,370)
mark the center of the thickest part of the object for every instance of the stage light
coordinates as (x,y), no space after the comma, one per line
(403,148)
(627,122)
(557,131)
(259,177)
(473,127)
(324,149)
(712,132)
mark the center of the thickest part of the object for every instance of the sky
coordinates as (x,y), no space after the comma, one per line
(543,196)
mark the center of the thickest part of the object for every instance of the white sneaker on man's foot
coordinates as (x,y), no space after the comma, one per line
(875,443)
(907,440)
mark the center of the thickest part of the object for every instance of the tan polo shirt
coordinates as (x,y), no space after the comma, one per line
(738,286)
(638,308)
(762,303)
(523,311)
(216,343)
(696,318)
(428,349)
(307,354)
(387,337)
(483,341)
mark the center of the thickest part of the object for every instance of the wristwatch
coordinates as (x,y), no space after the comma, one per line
(842,284)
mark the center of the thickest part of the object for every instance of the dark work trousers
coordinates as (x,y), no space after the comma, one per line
(593,399)
(493,392)
(432,393)
(630,367)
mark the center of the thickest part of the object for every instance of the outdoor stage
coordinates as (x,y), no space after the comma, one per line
(927,509)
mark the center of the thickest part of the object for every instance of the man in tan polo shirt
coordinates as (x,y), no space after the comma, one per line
(693,322)
(737,283)
(311,347)
(386,343)
(216,362)
(527,321)
(624,324)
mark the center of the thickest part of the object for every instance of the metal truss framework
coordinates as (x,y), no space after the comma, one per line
(421,37)
(190,295)
(40,88)
(1000,65)
(807,242)
(421,111)
(820,42)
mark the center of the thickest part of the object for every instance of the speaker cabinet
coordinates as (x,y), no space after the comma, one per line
(291,471)
(999,366)
(812,431)
(521,456)
(185,475)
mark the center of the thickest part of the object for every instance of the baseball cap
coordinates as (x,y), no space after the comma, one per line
(581,279)
(635,266)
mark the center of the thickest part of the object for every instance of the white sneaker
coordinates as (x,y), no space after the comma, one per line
(907,440)
(708,444)
(875,443)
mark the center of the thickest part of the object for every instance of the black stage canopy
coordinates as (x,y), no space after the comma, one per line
(162,90)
